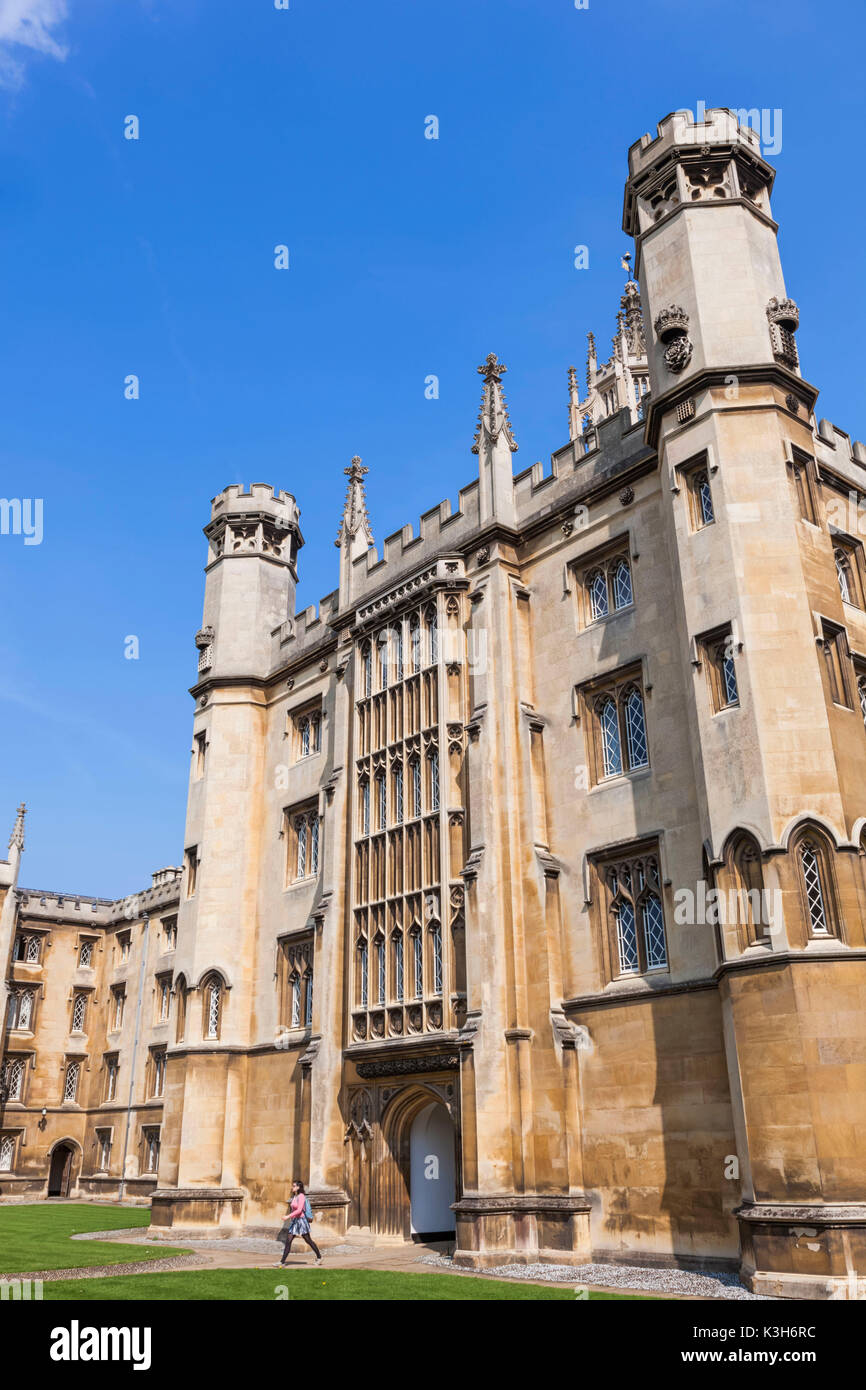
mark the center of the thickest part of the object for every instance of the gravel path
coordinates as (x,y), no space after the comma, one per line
(100,1271)
(629,1278)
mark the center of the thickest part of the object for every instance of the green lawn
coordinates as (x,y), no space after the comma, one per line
(334,1285)
(35,1237)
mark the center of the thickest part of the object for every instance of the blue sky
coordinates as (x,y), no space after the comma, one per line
(407,257)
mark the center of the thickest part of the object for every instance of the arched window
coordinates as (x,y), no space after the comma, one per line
(383,644)
(432,633)
(86,954)
(308,998)
(635,728)
(621,583)
(19,1012)
(748,881)
(213,998)
(399,986)
(295,988)
(610,746)
(182,996)
(397,804)
(843,574)
(70,1083)
(7,1153)
(13,1079)
(415,767)
(381,802)
(433,759)
(79,1009)
(436,955)
(398,652)
(813,881)
(597,586)
(417,963)
(637,915)
(379,945)
(365,808)
(367,668)
(363,972)
(415,642)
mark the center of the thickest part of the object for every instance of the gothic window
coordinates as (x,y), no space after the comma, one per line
(363,972)
(118,1003)
(417,963)
(433,760)
(432,633)
(111,1070)
(191,871)
(861,693)
(212,1010)
(383,643)
(157,1072)
(150,1138)
(616,725)
(415,767)
(748,880)
(296,999)
(27,949)
(379,946)
(70,1083)
(717,652)
(700,495)
(813,882)
(597,585)
(20,1009)
(182,1000)
(381,802)
(398,652)
(303,842)
(631,894)
(367,669)
(308,998)
(163,998)
(436,954)
(847,559)
(169,933)
(843,574)
(123,946)
(835,650)
(309,733)
(607,587)
(609,723)
(7,1153)
(398,794)
(85,955)
(415,642)
(803,487)
(365,808)
(13,1079)
(397,939)
(79,1011)
(103,1150)
(635,727)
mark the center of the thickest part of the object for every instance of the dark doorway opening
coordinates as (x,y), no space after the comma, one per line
(60,1171)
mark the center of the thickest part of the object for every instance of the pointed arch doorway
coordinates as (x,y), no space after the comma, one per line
(60,1171)
(432,1174)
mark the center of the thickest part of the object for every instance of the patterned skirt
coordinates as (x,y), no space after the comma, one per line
(298,1226)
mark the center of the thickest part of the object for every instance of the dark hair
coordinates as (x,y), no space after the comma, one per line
(299,1184)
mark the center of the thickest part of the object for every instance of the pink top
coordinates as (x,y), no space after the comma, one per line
(298,1207)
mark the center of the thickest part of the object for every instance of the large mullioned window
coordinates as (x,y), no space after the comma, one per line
(632,907)
(617,730)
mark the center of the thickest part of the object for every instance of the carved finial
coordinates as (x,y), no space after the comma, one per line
(356,520)
(493,420)
(17,836)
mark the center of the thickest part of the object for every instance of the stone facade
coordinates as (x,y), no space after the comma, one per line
(524,878)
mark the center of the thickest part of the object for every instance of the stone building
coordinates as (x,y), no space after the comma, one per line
(524,879)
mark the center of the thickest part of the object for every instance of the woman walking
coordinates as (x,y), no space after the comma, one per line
(299,1216)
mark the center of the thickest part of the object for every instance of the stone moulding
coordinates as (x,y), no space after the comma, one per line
(473,1204)
(408,1066)
(780,1214)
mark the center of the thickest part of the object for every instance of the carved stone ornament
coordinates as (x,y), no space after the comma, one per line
(678,354)
(409,1066)
(567,528)
(626,496)
(784,312)
(483,555)
(672,328)
(792,403)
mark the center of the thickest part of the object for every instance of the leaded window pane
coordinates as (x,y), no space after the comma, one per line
(314,844)
(362,971)
(365,808)
(398,652)
(654,932)
(78,1010)
(301,828)
(418,964)
(398,795)
(32,954)
(398,967)
(7,1151)
(861,691)
(70,1086)
(213,1011)
(635,728)
(416,784)
(296,1002)
(729,681)
(381,801)
(434,781)
(705,499)
(436,942)
(814,888)
(368,669)
(610,739)
(380,972)
(305,738)
(86,953)
(433,629)
(14,1079)
(308,999)
(626,935)
(598,594)
(622,595)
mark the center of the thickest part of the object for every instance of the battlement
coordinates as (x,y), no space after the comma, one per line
(50,905)
(722,126)
(260,499)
